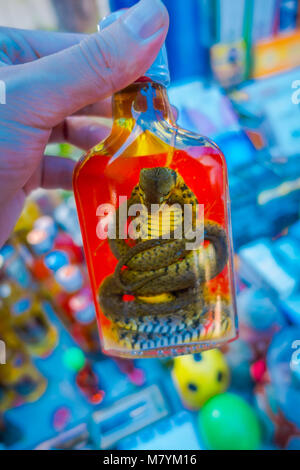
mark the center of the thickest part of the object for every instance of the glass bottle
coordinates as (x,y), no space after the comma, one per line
(18,376)
(153,207)
(24,312)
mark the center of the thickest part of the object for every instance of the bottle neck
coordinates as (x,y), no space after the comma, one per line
(142,97)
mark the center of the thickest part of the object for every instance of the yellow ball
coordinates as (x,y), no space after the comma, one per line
(200,376)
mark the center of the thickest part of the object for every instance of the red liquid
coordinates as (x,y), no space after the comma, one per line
(98,181)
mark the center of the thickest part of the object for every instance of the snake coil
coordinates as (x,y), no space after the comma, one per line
(169,303)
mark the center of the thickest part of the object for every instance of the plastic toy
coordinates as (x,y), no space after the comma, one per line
(127,416)
(86,378)
(177,432)
(14,266)
(227,422)
(18,376)
(23,311)
(136,375)
(283,361)
(55,270)
(251,304)
(200,376)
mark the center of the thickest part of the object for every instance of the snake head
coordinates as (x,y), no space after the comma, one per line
(156,185)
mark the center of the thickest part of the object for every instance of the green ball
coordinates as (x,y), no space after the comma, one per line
(227,422)
(74,359)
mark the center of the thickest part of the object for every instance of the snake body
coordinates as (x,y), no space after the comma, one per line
(166,281)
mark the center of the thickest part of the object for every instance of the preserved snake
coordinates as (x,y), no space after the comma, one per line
(170,303)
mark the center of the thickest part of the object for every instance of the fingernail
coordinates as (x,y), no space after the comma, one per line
(145,18)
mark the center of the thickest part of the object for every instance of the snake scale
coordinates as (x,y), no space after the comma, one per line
(169,302)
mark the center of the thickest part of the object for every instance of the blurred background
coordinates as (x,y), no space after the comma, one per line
(235,70)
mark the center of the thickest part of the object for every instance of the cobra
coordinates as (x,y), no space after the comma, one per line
(170,301)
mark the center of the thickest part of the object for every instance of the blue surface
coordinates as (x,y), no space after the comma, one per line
(185,40)
(178,432)
(35,420)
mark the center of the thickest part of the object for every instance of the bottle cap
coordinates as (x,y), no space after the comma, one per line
(46,223)
(40,241)
(56,259)
(69,277)
(7,251)
(159,70)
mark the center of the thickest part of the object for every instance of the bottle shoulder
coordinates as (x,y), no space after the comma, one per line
(157,137)
(185,137)
(198,145)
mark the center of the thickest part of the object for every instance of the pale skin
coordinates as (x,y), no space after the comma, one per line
(54,83)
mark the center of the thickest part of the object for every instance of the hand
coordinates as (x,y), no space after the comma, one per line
(49,77)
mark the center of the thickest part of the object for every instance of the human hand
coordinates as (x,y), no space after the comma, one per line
(49,77)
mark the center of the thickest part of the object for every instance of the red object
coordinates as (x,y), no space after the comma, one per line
(258,370)
(135,375)
(63,241)
(95,183)
(88,383)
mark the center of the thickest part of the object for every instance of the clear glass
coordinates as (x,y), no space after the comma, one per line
(153,207)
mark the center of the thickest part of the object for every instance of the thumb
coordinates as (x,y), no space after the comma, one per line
(60,84)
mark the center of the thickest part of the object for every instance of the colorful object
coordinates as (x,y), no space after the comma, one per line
(258,370)
(227,422)
(136,375)
(61,418)
(159,254)
(229,62)
(200,377)
(126,416)
(277,428)
(14,266)
(86,378)
(75,307)
(55,262)
(264,191)
(276,55)
(283,361)
(56,259)
(239,357)
(20,381)
(26,220)
(228,56)
(74,359)
(24,312)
